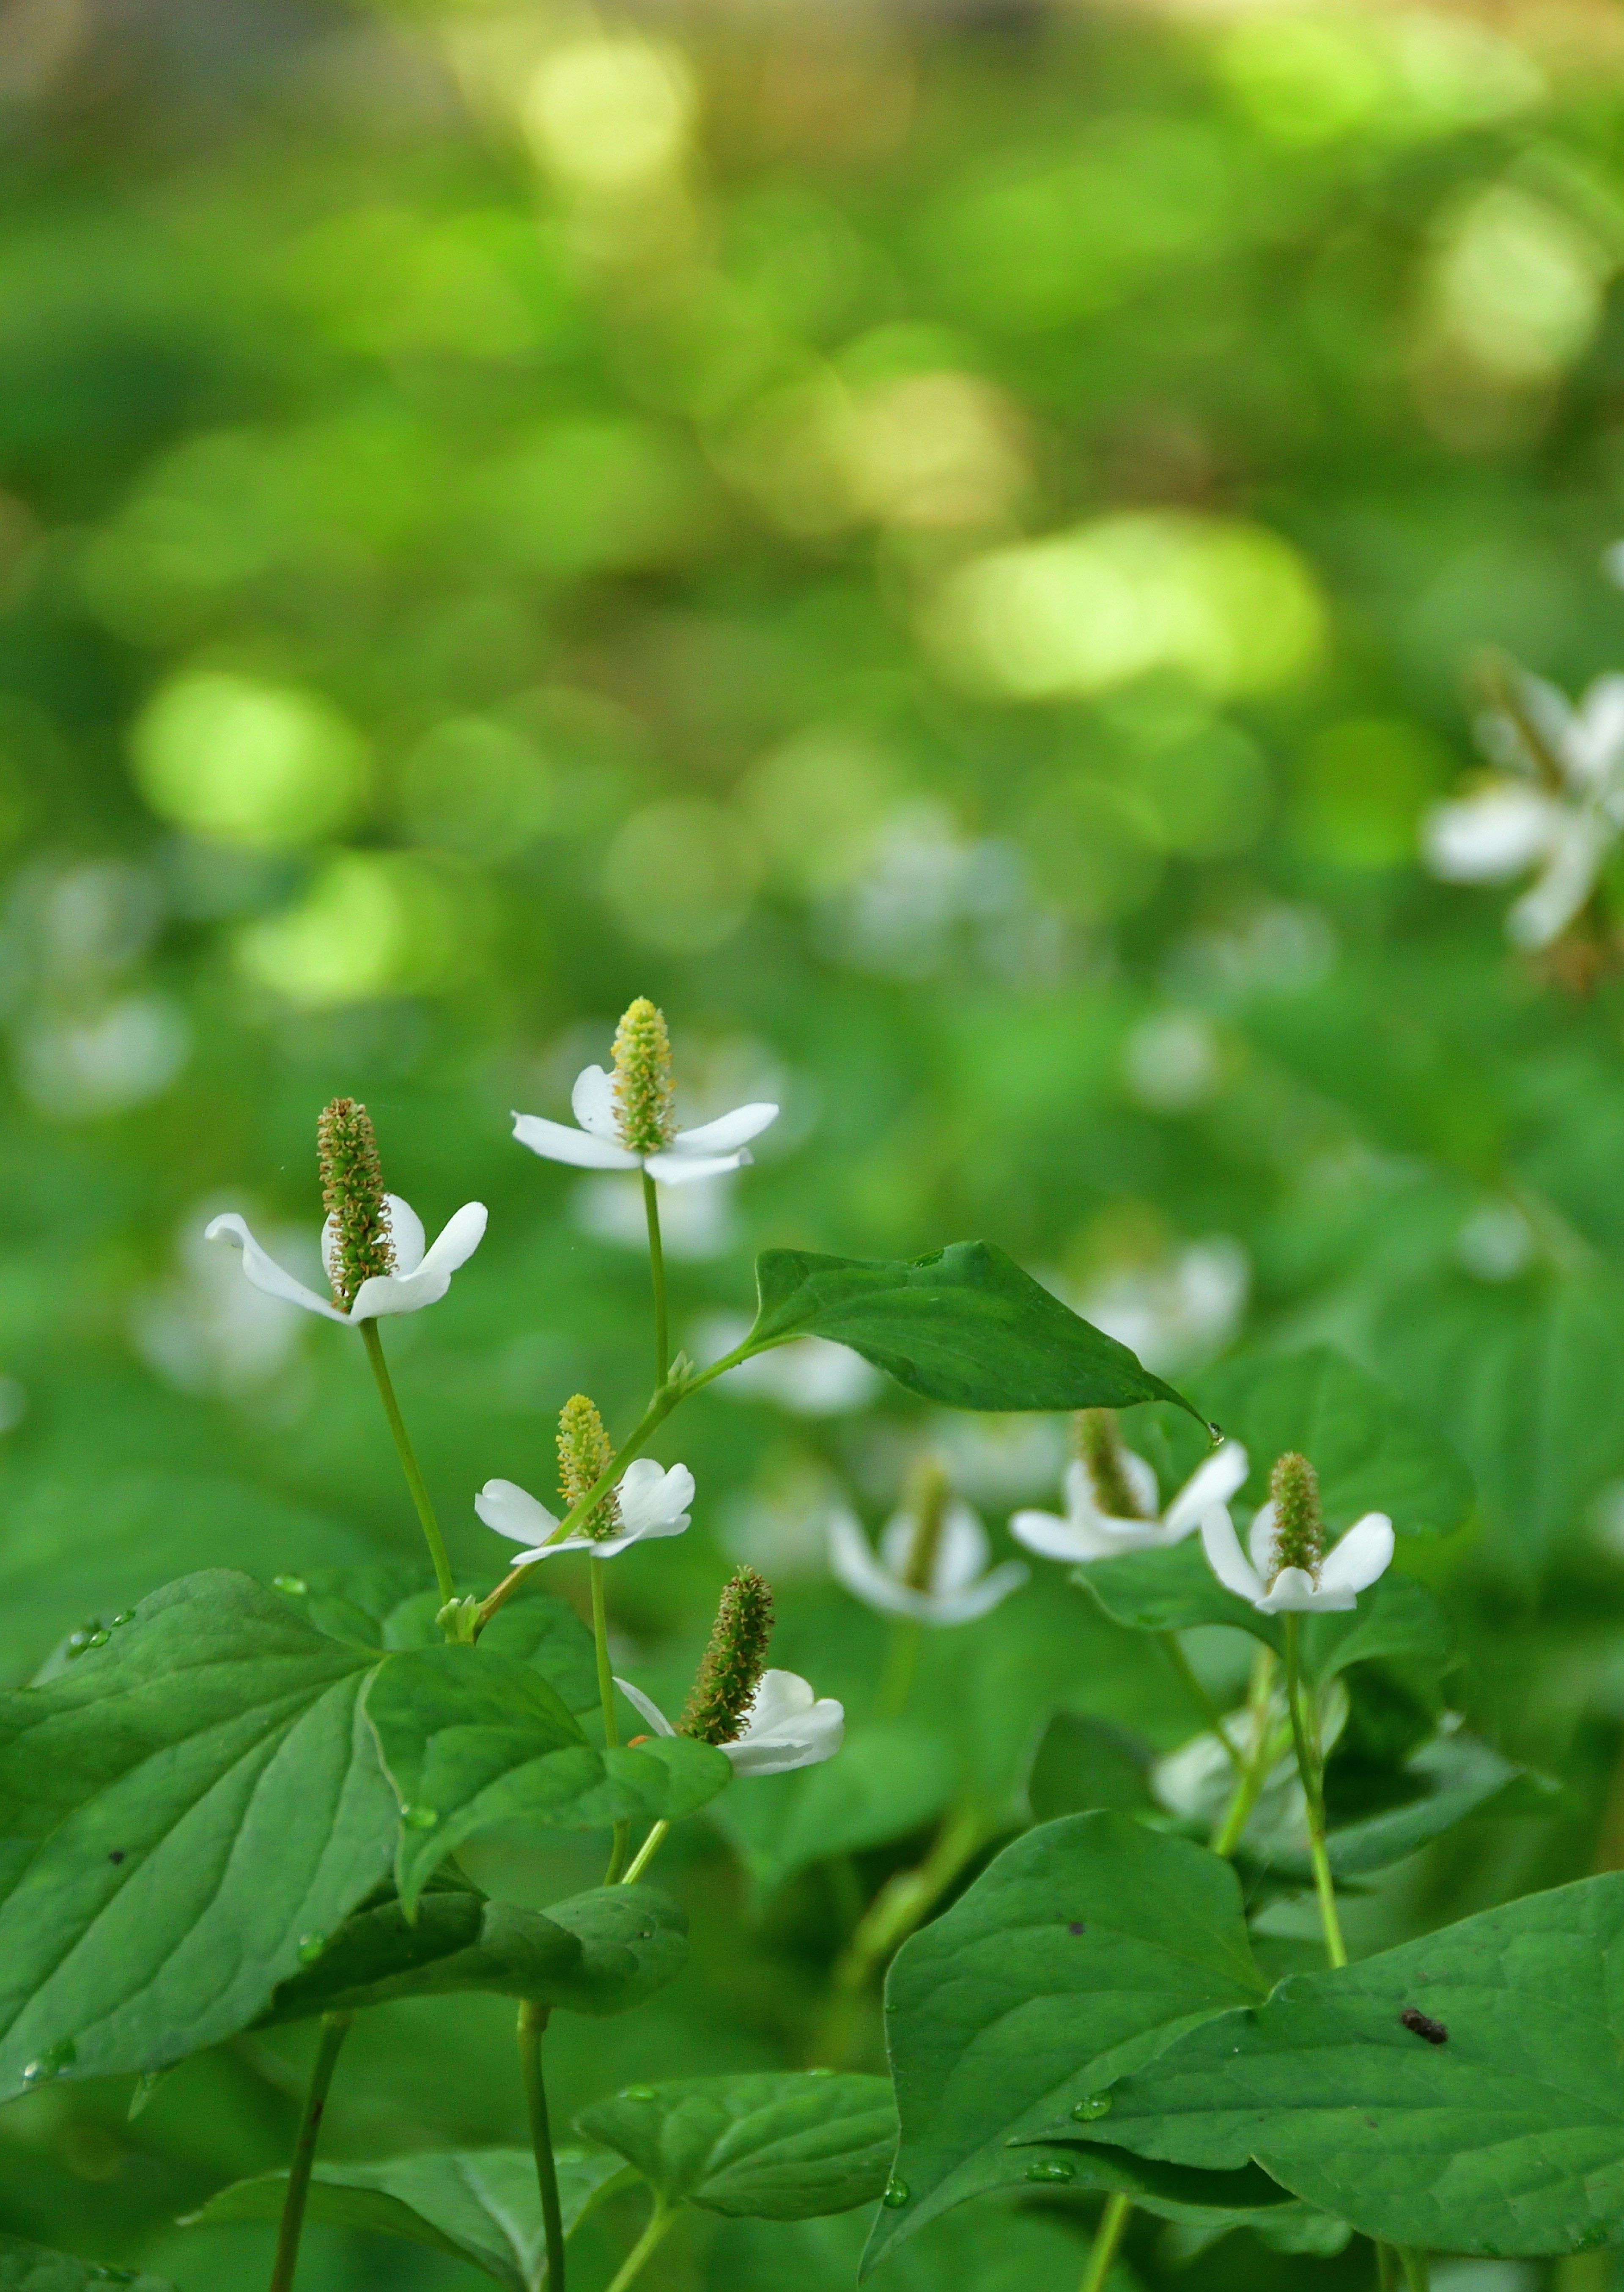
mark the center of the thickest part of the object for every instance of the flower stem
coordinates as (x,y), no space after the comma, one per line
(532,2022)
(1199,1698)
(903,1903)
(646,1854)
(900,1665)
(374,1342)
(1260,1758)
(1310,1768)
(657,1274)
(605,1696)
(1418,2268)
(659,2220)
(335,2029)
(1107,2242)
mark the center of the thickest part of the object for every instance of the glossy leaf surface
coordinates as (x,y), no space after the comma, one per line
(777,2145)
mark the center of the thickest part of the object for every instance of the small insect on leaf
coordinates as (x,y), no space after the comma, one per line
(1423,2026)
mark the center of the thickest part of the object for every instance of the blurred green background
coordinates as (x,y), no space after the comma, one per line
(948,549)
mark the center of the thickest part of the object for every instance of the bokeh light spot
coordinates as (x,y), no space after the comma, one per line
(369,924)
(683,874)
(241,762)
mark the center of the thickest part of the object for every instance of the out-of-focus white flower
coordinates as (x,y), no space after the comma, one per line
(422,1277)
(785,1727)
(957,1591)
(207,1330)
(696,1223)
(810,1377)
(1349,1568)
(1088,1532)
(1182,1310)
(651,1500)
(1556,806)
(705,1152)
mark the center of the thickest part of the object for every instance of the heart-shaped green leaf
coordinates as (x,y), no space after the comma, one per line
(1372,1451)
(964,1326)
(1084,1947)
(777,2146)
(891,1776)
(30,2268)
(479,2205)
(1493,2125)
(470,1737)
(598,1953)
(184,1811)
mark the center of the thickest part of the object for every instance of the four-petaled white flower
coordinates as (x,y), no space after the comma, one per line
(784,1726)
(1089,1533)
(652,1500)
(957,1591)
(706,1153)
(1349,1568)
(1562,825)
(421,1277)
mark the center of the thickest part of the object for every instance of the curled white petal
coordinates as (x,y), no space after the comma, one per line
(555,1141)
(1492,835)
(1261,1540)
(1080,1539)
(592,1103)
(1594,746)
(427,1284)
(1564,883)
(980,1598)
(1362,1554)
(514,1513)
(262,1270)
(728,1131)
(645,1706)
(654,1500)
(405,1234)
(1141,1478)
(1214,1481)
(673,1168)
(1295,1591)
(853,1563)
(1225,1557)
(786,1728)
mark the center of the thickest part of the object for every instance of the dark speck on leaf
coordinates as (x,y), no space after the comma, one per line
(1076,1926)
(116,1855)
(1423,2026)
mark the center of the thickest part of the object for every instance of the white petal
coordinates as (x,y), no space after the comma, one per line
(648,1709)
(803,1740)
(1224,1556)
(962,1549)
(727,1131)
(592,1103)
(457,1240)
(978,1599)
(265,1274)
(1294,1592)
(555,1141)
(852,1562)
(1595,744)
(781,1698)
(606,1546)
(329,1247)
(1567,882)
(405,1234)
(514,1513)
(674,1169)
(1081,1540)
(1214,1481)
(653,1499)
(1141,1479)
(1261,1540)
(1492,835)
(1360,1556)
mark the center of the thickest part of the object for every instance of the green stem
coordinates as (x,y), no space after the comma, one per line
(1309,1768)
(1199,1698)
(1260,1758)
(1386,2268)
(1107,2242)
(900,1665)
(335,2029)
(659,2220)
(903,1903)
(374,1342)
(532,2022)
(1418,2267)
(646,1854)
(657,1274)
(605,1696)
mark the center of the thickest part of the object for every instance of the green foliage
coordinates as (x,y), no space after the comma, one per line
(30,2268)
(964,1326)
(478,2206)
(772,2146)
(1502,2137)
(891,1777)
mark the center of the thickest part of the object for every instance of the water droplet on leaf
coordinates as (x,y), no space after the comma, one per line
(1053,2170)
(124,1616)
(637,2093)
(310,1947)
(820,2072)
(896,2194)
(420,1818)
(294,1586)
(1091,2106)
(99,1638)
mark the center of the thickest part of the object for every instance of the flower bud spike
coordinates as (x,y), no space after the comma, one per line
(725,1686)
(352,1195)
(1100,1446)
(644,1110)
(1299,1524)
(929,1492)
(585,1453)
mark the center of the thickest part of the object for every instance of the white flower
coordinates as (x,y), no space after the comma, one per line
(1088,1533)
(1351,1566)
(1518,821)
(653,1500)
(783,1728)
(706,1153)
(958,1592)
(421,1277)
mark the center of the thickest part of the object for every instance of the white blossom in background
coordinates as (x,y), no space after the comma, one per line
(959,1588)
(785,1726)
(697,1221)
(1087,1531)
(1172,1061)
(810,1376)
(1553,809)
(1180,1311)
(1350,1567)
(651,1500)
(207,1330)
(422,1277)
